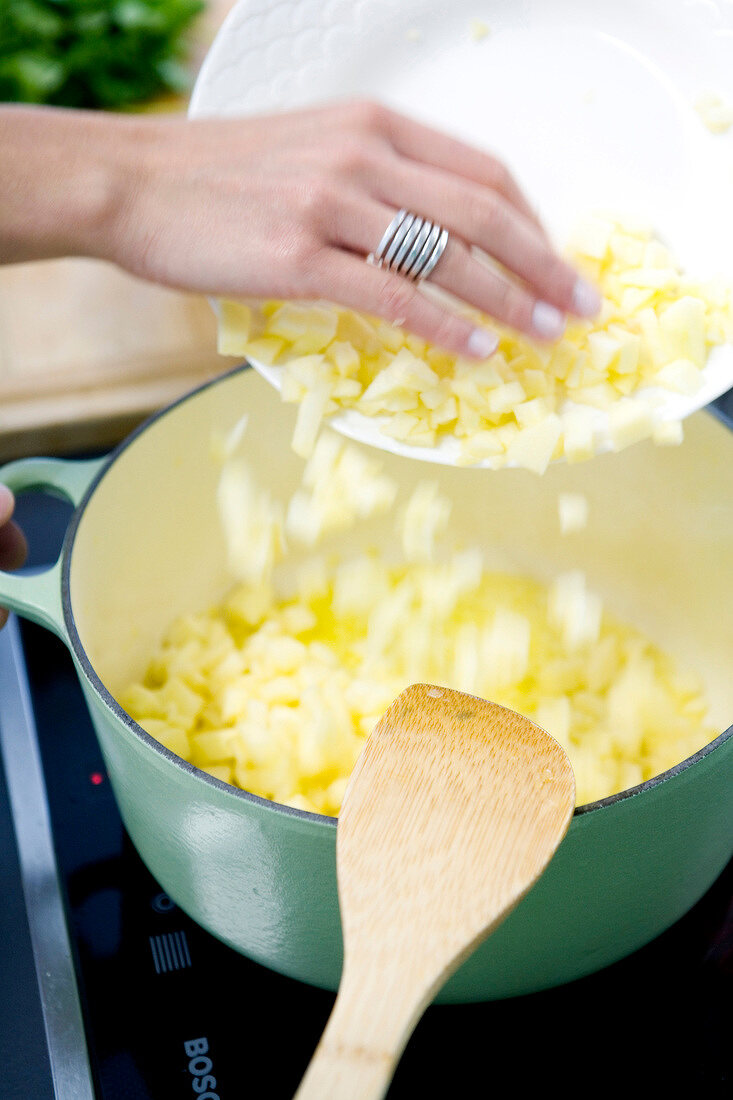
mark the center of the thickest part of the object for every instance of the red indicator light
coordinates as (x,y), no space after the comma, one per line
(96,778)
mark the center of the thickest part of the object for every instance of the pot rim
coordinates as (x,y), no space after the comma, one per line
(198,773)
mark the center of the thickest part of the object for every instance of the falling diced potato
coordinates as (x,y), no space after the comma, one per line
(275,689)
(572,511)
(425,516)
(311,412)
(574,611)
(668,433)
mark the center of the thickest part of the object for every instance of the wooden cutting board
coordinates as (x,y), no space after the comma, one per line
(87,351)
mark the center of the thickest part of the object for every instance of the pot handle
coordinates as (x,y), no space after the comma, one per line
(37,596)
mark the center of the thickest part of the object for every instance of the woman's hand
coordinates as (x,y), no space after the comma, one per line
(12,543)
(289,206)
(286,206)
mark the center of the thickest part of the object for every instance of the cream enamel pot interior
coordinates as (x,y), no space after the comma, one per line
(144,545)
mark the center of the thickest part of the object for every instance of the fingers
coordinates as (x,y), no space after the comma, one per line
(484,219)
(477,200)
(356,284)
(7,504)
(13,547)
(357,225)
(490,291)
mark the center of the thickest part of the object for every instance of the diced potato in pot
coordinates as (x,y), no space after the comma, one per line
(275,690)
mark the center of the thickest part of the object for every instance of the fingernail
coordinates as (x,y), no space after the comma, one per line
(586,299)
(548,322)
(482,343)
(6,501)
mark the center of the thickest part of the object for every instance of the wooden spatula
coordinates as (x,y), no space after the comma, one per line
(454,809)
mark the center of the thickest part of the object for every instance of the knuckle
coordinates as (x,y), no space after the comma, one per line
(311,265)
(510,304)
(368,114)
(293,246)
(395,299)
(495,217)
(517,309)
(299,258)
(500,298)
(352,158)
(317,198)
(445,331)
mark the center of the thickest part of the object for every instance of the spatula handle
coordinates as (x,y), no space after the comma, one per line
(367,1031)
(337,1074)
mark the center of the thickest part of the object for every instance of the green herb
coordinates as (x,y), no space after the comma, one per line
(93,53)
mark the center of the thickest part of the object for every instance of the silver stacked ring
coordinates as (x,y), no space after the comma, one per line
(411,246)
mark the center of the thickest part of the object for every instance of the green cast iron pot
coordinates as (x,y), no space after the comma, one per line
(144,545)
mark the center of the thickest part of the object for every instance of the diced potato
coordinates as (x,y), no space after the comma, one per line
(627,360)
(212,746)
(425,516)
(533,447)
(578,436)
(598,396)
(235,324)
(291,712)
(344,357)
(311,411)
(572,511)
(628,422)
(532,412)
(340,484)
(313,327)
(604,349)
(573,610)
(481,445)
(652,317)
(668,433)
(405,373)
(682,325)
(251,520)
(265,349)
(401,425)
(681,375)
(504,397)
(168,735)
(275,688)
